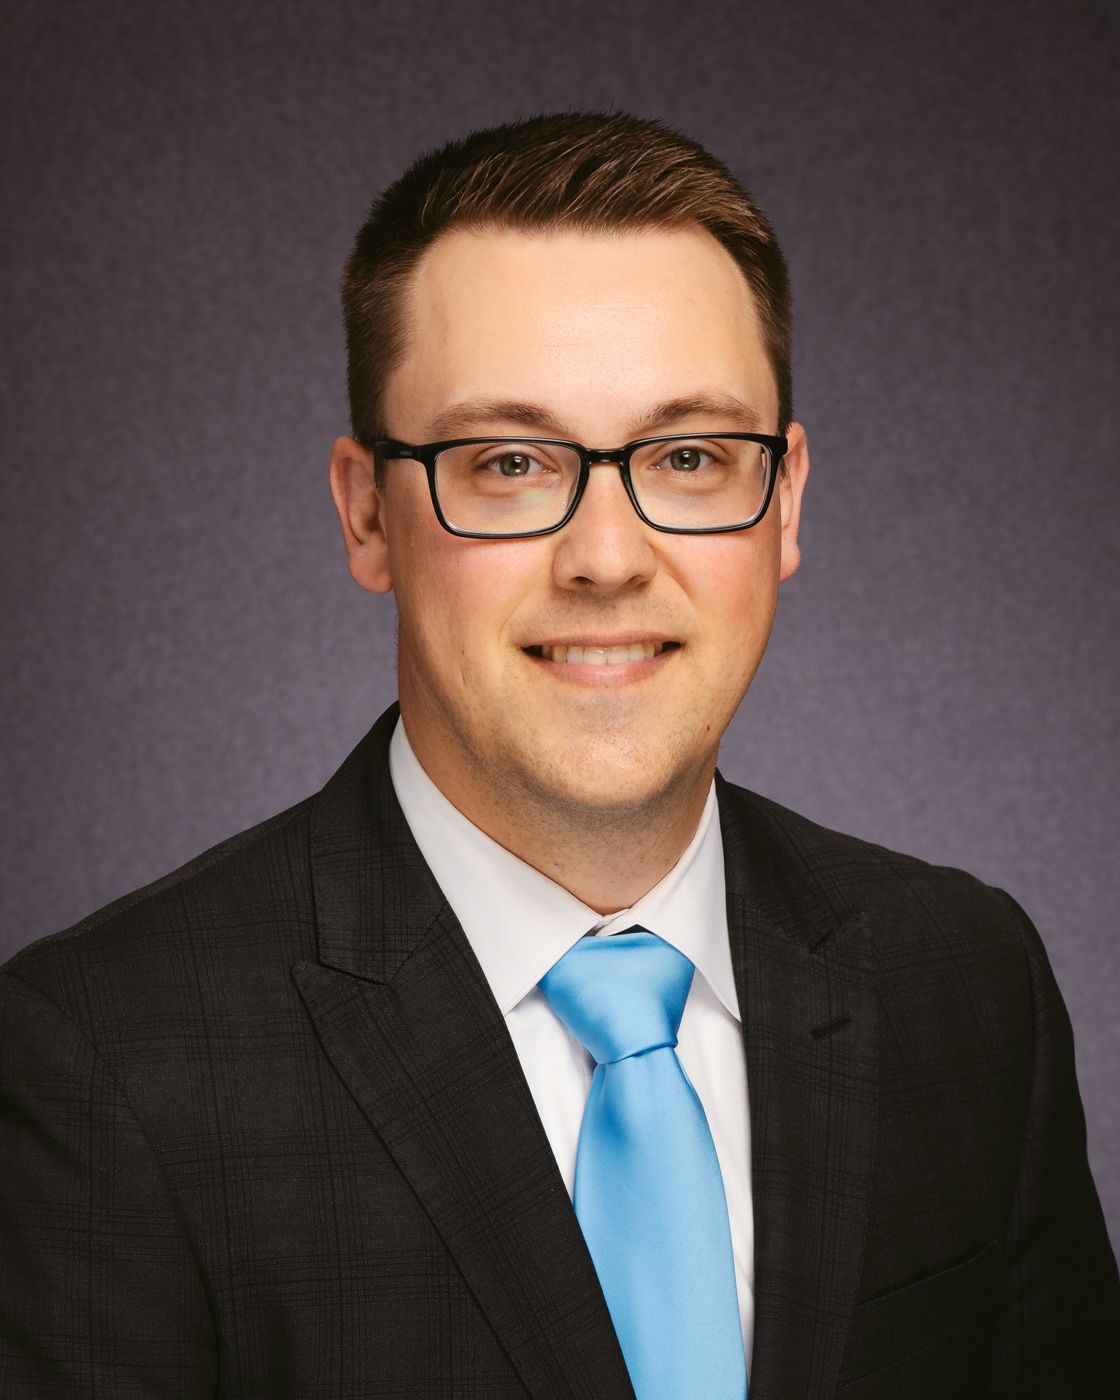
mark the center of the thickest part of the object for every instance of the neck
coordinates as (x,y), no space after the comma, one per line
(607,857)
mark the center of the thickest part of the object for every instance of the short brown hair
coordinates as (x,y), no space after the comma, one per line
(588,171)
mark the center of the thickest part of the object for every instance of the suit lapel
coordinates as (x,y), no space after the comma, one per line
(405,1014)
(804,978)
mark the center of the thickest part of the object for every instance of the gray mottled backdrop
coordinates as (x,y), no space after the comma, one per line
(184,653)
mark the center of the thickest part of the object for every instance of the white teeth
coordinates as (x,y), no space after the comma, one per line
(604,656)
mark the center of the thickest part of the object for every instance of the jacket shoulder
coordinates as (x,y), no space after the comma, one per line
(902,896)
(199,911)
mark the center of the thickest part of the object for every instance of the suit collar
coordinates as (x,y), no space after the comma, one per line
(376,901)
(804,969)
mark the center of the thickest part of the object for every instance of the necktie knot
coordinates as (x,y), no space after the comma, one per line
(620,995)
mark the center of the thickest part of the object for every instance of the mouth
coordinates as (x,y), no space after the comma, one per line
(592,654)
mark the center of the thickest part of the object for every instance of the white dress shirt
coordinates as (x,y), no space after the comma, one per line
(519,923)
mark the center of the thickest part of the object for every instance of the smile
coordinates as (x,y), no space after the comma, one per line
(591,655)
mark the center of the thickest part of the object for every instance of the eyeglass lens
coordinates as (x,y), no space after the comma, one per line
(518,487)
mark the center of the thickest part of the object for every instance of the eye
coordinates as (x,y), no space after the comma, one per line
(512,464)
(685,459)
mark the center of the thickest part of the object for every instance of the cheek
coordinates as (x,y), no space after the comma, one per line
(733,579)
(456,597)
(734,593)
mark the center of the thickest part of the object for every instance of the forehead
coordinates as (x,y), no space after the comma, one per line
(591,324)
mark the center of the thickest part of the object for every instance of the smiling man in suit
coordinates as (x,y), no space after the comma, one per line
(529,1057)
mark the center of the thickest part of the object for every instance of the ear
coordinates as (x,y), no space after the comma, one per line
(361,509)
(791,487)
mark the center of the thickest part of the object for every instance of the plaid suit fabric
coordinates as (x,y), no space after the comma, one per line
(928,1225)
(264,1134)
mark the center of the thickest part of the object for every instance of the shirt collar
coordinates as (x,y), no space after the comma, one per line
(520,935)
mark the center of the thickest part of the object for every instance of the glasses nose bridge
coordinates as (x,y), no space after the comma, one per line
(608,457)
(600,456)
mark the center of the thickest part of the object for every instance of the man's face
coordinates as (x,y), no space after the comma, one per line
(578,336)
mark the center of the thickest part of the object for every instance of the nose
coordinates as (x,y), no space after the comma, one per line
(605,546)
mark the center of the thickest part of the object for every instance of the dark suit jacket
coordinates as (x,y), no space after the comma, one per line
(265,1135)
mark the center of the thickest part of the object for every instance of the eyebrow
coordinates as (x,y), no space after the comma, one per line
(473,414)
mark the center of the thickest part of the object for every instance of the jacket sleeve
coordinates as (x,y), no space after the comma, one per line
(1057,1332)
(99,1292)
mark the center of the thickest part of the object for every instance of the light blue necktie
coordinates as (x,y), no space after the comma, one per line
(648,1190)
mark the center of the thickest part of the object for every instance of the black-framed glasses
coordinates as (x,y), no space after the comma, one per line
(515,487)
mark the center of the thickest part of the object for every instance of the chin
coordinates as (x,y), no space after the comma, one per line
(597,779)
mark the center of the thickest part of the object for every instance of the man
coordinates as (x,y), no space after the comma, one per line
(529,1057)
